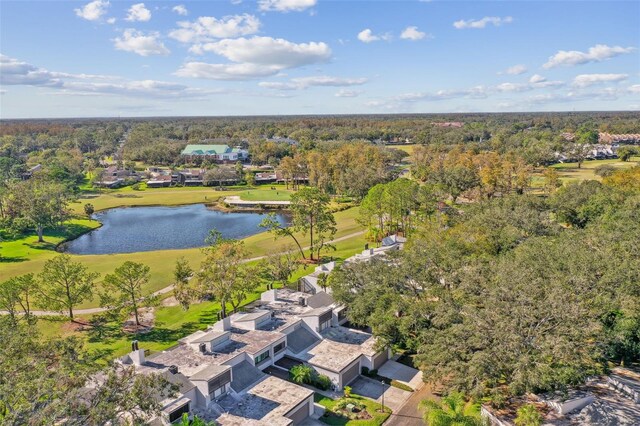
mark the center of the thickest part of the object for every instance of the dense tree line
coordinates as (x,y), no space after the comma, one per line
(517,294)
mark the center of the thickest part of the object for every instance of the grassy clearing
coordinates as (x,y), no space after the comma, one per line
(334,417)
(569,172)
(280,193)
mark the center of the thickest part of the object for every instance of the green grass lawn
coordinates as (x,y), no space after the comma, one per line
(336,418)
(264,193)
(569,172)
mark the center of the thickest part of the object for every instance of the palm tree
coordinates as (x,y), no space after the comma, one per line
(451,411)
(301,373)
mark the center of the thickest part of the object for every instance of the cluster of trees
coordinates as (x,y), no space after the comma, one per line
(35,204)
(393,207)
(517,294)
(64,284)
(474,173)
(310,215)
(45,382)
(225,276)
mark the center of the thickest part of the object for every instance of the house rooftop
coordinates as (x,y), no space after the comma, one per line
(205,149)
(208,336)
(340,347)
(265,403)
(211,370)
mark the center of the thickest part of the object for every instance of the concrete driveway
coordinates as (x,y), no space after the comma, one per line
(402,373)
(394,398)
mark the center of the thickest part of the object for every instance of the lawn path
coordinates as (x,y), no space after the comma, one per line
(167,289)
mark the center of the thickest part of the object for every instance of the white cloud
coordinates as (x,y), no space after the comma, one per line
(516,70)
(93,11)
(537,78)
(482,23)
(285,5)
(207,28)
(585,80)
(138,12)
(180,10)
(15,72)
(140,43)
(367,36)
(597,53)
(306,82)
(254,57)
(347,93)
(412,33)
(512,87)
(111,21)
(634,89)
(270,51)
(225,71)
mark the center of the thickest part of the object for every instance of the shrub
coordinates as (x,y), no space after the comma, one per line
(136,187)
(528,415)
(322,382)
(365,371)
(347,391)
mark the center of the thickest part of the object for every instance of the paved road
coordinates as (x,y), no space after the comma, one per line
(168,288)
(410,414)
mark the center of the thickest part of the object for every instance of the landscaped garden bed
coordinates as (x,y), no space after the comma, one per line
(353,410)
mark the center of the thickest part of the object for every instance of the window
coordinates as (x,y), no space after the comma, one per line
(325,325)
(177,414)
(261,357)
(277,348)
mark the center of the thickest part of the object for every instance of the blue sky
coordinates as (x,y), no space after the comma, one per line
(117,58)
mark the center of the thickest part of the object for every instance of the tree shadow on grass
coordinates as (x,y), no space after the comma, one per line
(4,259)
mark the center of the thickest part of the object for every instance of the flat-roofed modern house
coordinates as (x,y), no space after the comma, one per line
(218,153)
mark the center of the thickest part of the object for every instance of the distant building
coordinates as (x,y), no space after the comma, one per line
(278,139)
(449,124)
(113,177)
(29,173)
(219,153)
(607,138)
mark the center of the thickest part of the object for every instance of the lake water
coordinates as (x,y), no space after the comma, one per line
(133,229)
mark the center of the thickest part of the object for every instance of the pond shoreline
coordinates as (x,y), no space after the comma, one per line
(133,234)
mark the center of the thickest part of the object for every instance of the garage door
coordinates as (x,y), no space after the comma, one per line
(350,374)
(380,359)
(299,414)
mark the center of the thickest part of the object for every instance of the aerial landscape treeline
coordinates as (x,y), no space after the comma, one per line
(521,271)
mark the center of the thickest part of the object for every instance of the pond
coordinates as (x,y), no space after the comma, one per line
(134,229)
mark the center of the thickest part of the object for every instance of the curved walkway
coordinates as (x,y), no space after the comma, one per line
(170,287)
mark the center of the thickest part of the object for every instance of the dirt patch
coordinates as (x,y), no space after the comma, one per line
(147,319)
(170,301)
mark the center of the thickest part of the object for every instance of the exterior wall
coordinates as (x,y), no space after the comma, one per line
(238,359)
(302,412)
(492,419)
(313,323)
(350,373)
(335,377)
(380,359)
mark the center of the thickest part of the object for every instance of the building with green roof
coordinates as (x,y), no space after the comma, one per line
(221,153)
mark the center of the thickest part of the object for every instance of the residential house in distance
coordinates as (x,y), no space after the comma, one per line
(279,139)
(612,400)
(191,177)
(161,178)
(113,177)
(218,153)
(607,138)
(32,170)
